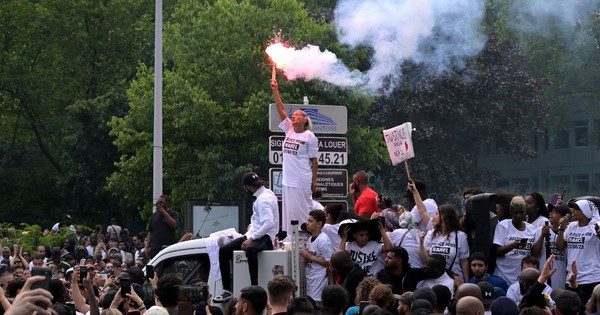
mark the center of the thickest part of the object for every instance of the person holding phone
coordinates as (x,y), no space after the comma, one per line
(364,198)
(581,239)
(163,224)
(31,299)
(513,239)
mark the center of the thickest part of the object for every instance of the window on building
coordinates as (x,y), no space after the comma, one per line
(596,132)
(581,133)
(560,182)
(486,149)
(582,183)
(502,183)
(562,140)
(521,184)
(501,146)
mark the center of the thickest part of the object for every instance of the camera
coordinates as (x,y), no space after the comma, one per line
(192,299)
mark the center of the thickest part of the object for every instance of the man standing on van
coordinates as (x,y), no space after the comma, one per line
(264,224)
(162,227)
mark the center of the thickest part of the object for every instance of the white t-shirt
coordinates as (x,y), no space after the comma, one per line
(366,257)
(508,267)
(331,230)
(432,207)
(317,205)
(559,278)
(55,227)
(411,243)
(298,148)
(444,280)
(514,292)
(316,274)
(448,247)
(583,247)
(539,222)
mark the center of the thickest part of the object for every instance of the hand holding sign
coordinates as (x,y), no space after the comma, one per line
(399,143)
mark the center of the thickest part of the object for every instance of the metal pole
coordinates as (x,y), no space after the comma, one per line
(157,186)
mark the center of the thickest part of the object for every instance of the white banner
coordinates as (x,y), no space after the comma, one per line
(399,143)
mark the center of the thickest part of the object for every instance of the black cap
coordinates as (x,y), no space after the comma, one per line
(251,179)
(561,209)
(568,302)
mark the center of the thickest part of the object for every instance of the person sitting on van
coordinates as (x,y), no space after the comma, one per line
(260,236)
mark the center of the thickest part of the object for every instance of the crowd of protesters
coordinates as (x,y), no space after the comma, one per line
(384,259)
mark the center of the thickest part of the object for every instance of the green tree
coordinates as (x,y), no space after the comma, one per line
(63,65)
(216,96)
(455,113)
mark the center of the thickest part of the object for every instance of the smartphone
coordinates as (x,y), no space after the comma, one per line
(523,242)
(82,271)
(44,284)
(362,306)
(149,272)
(125,286)
(103,276)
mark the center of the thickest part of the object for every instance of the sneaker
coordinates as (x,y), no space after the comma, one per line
(225,296)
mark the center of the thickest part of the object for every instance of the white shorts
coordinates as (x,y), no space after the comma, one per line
(296,204)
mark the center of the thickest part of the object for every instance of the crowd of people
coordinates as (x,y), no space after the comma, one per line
(544,258)
(385,258)
(87,273)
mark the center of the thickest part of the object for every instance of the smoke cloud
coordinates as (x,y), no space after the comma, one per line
(547,17)
(436,34)
(311,63)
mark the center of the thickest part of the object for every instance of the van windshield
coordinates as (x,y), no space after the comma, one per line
(190,269)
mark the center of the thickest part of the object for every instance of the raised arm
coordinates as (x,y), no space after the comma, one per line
(425,216)
(278,101)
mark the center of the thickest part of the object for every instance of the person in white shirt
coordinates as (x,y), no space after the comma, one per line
(365,249)
(417,190)
(317,255)
(333,213)
(300,152)
(66,222)
(260,236)
(435,269)
(407,237)
(513,239)
(448,240)
(536,210)
(581,239)
(545,245)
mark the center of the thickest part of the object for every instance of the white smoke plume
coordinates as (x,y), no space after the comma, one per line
(435,33)
(546,17)
(311,63)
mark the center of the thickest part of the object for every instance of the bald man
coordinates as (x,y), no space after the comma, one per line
(469,305)
(469,289)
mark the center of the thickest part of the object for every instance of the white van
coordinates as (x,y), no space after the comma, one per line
(190,261)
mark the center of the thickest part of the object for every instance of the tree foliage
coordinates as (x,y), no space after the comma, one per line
(215,101)
(454,113)
(63,68)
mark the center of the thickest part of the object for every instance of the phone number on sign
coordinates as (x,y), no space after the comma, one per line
(325,158)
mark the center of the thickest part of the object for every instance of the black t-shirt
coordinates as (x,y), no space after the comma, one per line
(162,233)
(405,282)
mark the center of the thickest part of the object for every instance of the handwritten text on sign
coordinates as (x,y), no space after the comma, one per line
(399,143)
